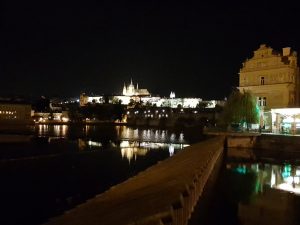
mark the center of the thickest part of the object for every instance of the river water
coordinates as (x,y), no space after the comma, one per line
(263,192)
(62,166)
(248,192)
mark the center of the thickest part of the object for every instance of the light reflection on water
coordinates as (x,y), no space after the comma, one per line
(132,149)
(152,135)
(52,130)
(284,177)
(131,142)
(74,163)
(264,193)
(122,133)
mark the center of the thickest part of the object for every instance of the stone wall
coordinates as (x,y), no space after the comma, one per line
(163,194)
(252,146)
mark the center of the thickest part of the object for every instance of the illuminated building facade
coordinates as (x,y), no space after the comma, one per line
(130,93)
(41,117)
(11,112)
(272,77)
(130,90)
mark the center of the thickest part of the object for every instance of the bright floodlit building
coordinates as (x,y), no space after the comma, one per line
(131,92)
(271,76)
(15,112)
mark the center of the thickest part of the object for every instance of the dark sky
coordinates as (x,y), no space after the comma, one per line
(195,49)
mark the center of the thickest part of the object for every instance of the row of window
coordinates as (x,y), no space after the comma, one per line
(262,80)
(8,112)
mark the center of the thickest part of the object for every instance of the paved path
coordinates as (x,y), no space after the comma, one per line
(165,193)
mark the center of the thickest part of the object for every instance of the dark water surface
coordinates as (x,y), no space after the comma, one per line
(63,166)
(253,193)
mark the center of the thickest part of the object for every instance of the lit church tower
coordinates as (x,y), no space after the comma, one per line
(130,90)
(172,94)
(124,89)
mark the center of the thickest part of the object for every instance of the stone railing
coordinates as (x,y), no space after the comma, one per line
(165,193)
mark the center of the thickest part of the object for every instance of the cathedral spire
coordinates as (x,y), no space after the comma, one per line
(124,89)
(137,86)
(131,81)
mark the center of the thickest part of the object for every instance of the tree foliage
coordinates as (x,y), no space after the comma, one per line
(240,108)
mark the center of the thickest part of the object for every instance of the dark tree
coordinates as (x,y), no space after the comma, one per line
(42,105)
(240,108)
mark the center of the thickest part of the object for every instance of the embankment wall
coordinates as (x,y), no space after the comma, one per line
(165,193)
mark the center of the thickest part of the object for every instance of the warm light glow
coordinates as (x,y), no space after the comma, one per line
(292,179)
(94,143)
(64,119)
(287,111)
(171,149)
(288,187)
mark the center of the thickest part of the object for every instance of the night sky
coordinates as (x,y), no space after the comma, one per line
(193,48)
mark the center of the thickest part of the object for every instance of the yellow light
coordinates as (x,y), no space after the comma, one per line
(64,119)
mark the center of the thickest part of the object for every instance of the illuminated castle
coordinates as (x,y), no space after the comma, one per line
(130,90)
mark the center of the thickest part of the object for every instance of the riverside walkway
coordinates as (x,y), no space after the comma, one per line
(165,193)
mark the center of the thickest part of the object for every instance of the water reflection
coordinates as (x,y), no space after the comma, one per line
(132,149)
(112,132)
(74,163)
(44,130)
(131,142)
(171,149)
(284,177)
(152,135)
(264,193)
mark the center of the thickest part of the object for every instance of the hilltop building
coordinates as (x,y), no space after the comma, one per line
(132,93)
(130,90)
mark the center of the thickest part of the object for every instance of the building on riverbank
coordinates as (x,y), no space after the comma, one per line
(170,117)
(286,120)
(14,112)
(273,77)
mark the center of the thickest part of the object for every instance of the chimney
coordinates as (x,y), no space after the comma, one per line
(286,51)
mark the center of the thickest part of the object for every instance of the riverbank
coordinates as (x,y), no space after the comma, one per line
(255,145)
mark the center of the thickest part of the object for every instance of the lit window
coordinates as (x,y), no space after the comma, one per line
(259,101)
